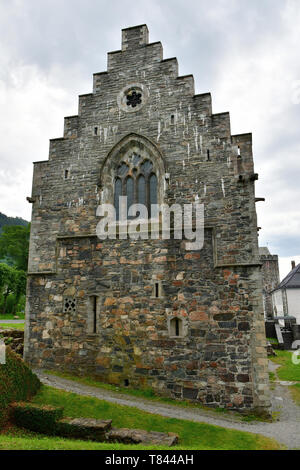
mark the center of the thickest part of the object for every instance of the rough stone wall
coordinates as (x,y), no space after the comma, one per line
(220,359)
(271,279)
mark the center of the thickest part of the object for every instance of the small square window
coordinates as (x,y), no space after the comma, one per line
(177,327)
(69,305)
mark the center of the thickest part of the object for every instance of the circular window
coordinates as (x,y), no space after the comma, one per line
(133,97)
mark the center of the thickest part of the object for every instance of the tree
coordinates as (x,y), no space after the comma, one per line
(12,281)
(19,286)
(14,245)
(4,275)
(7,282)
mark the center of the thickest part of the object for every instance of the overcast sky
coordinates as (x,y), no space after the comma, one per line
(245,52)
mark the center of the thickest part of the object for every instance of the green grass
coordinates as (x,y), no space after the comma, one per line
(20,439)
(38,442)
(193,436)
(272,376)
(93,382)
(288,371)
(272,340)
(10,316)
(16,326)
(149,394)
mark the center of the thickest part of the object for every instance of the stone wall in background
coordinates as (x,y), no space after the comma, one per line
(13,338)
(271,279)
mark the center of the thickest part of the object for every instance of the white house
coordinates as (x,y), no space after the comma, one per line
(286,297)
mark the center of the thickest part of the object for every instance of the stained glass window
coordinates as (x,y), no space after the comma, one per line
(129,192)
(134,98)
(153,193)
(142,190)
(118,193)
(136,180)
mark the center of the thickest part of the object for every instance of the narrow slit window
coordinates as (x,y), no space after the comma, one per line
(95,130)
(176,327)
(172,118)
(94,300)
(66,174)
(156,289)
(208,155)
(92,322)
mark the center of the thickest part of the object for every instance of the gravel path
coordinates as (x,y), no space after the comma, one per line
(14,322)
(285,431)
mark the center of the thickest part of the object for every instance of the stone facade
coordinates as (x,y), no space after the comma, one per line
(108,308)
(271,279)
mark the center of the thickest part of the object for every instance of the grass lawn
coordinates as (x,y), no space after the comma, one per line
(149,394)
(93,382)
(273,340)
(288,370)
(16,326)
(38,442)
(193,436)
(9,316)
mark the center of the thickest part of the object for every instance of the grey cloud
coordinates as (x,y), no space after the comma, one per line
(284,245)
(66,41)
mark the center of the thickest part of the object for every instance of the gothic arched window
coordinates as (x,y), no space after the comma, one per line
(136,179)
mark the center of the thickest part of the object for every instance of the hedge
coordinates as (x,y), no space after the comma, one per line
(49,420)
(17,382)
(39,418)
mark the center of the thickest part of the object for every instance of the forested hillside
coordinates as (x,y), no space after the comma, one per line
(14,242)
(5,220)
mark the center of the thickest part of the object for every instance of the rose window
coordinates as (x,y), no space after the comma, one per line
(133,99)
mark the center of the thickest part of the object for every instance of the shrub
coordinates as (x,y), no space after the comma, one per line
(39,418)
(17,382)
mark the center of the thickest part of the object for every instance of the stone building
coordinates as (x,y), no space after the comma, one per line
(148,313)
(286,295)
(271,279)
